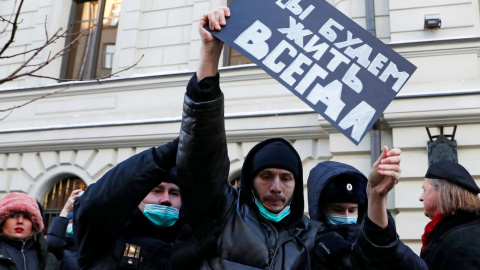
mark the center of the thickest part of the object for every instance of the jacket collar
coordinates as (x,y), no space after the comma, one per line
(17,243)
(458,220)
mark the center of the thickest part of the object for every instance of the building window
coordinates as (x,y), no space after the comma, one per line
(114,14)
(234,58)
(108,51)
(87,59)
(58,196)
(231,56)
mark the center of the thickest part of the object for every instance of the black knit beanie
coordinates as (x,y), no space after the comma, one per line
(275,155)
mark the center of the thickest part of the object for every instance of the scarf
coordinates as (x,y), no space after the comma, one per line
(429,228)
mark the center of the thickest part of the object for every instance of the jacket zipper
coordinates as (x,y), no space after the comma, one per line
(23,254)
(276,239)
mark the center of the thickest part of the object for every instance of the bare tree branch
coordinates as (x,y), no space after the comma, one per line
(32,100)
(45,27)
(61,90)
(7,115)
(8,21)
(87,80)
(16,73)
(29,66)
(14,28)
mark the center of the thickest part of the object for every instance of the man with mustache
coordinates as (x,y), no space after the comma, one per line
(261,223)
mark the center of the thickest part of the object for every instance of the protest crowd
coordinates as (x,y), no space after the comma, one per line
(172,207)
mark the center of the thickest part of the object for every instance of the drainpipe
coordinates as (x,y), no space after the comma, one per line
(370,16)
(375,135)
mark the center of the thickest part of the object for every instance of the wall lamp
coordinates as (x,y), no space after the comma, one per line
(443,147)
(432,21)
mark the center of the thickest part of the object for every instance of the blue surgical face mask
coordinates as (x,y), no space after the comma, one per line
(271,216)
(341,219)
(161,215)
(70,228)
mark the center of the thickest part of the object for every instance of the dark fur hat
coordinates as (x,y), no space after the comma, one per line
(346,187)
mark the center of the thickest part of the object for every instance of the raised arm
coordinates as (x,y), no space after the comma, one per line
(384,175)
(105,206)
(202,158)
(211,47)
(378,245)
(56,232)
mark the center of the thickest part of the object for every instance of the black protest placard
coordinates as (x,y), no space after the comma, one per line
(334,65)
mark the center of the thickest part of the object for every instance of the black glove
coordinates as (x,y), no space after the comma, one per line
(165,155)
(331,247)
(194,245)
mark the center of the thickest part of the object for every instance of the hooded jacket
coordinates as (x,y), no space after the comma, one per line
(319,177)
(246,240)
(382,250)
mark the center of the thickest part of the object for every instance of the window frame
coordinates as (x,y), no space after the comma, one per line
(93,54)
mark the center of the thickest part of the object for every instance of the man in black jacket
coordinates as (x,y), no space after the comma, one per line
(261,223)
(450,199)
(128,219)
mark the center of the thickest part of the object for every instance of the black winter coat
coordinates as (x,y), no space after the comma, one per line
(319,177)
(107,218)
(388,253)
(62,245)
(455,243)
(35,254)
(365,254)
(247,240)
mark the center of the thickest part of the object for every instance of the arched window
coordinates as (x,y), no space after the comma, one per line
(58,196)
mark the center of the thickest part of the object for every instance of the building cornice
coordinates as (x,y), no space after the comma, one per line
(147,133)
(440,47)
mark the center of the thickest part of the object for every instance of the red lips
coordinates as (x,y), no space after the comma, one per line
(19,230)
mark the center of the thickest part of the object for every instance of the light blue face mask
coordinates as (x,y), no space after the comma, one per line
(271,216)
(161,215)
(70,228)
(341,219)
